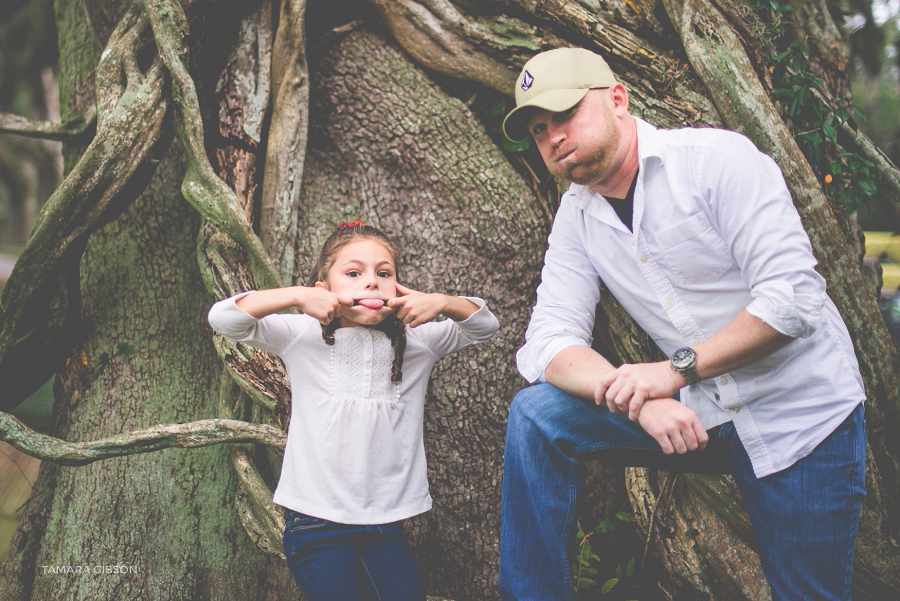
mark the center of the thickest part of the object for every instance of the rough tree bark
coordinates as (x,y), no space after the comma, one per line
(339,110)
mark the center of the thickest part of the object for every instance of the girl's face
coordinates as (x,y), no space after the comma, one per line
(363,270)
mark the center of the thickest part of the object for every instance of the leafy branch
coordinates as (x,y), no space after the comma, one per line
(848,176)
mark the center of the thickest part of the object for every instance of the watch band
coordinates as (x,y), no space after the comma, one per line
(684,361)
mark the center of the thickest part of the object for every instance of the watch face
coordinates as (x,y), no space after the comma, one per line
(683,358)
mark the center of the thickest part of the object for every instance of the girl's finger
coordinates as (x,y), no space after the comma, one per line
(403,290)
(396,302)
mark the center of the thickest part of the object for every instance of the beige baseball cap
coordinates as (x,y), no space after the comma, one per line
(555,80)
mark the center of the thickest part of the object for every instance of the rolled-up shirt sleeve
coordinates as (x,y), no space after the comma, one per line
(567,297)
(753,212)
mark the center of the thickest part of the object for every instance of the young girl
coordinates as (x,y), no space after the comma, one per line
(359,359)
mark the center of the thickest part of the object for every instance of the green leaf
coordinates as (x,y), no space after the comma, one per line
(586,582)
(792,108)
(629,569)
(624,516)
(868,187)
(510,146)
(858,112)
(842,114)
(829,131)
(608,585)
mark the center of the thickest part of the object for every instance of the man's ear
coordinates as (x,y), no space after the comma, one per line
(619,96)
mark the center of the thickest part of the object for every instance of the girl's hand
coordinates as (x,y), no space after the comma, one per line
(321,303)
(415,308)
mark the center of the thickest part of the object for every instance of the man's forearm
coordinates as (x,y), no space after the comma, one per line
(575,369)
(744,340)
(673,426)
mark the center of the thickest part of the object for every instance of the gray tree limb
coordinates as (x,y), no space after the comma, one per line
(187,436)
(47,130)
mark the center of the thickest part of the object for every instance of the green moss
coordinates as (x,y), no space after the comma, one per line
(514,33)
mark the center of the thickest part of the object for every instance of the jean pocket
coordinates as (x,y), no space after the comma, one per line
(299,522)
(726,438)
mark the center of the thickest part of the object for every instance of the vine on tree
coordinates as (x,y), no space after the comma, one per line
(847,177)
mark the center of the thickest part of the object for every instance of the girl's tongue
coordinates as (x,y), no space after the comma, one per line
(371,303)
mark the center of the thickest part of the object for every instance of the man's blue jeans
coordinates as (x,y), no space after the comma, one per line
(344,562)
(804,517)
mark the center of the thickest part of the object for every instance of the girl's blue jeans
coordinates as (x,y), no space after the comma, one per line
(344,562)
(804,517)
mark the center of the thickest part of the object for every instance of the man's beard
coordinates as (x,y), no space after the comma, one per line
(593,165)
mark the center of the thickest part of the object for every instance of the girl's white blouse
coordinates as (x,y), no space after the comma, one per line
(354,451)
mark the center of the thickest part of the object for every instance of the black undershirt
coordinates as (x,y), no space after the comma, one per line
(624,207)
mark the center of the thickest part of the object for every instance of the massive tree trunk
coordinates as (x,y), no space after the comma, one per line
(221,161)
(388,144)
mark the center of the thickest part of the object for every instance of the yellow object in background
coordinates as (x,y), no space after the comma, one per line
(885,246)
(890,276)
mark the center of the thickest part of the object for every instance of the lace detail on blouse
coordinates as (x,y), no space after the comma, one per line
(361,361)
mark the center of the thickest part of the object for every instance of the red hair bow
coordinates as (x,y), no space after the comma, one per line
(342,225)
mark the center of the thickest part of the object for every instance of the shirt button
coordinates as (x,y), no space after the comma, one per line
(643,258)
(723,380)
(695,341)
(670,301)
(735,409)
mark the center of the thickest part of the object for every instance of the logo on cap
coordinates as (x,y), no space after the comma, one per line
(527,80)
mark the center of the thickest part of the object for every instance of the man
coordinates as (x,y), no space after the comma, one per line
(694,232)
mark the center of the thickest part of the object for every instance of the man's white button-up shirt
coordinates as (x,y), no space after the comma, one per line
(715,232)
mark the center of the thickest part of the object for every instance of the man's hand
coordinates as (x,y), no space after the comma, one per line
(625,389)
(676,428)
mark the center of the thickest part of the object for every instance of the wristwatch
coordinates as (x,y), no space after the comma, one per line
(684,361)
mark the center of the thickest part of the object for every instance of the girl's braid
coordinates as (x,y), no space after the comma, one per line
(396,331)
